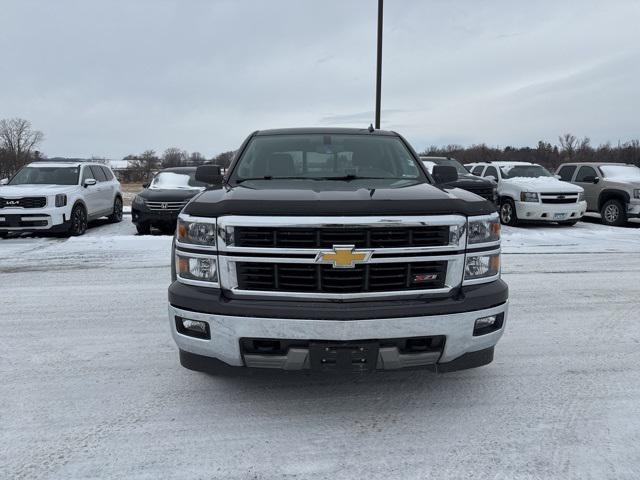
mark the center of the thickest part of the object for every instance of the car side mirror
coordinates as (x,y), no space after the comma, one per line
(557,177)
(590,179)
(146,185)
(4,181)
(444,174)
(88,182)
(491,177)
(596,179)
(209,174)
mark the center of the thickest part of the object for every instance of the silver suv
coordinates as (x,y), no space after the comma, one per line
(611,189)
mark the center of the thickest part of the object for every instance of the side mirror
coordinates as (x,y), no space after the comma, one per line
(88,182)
(596,179)
(491,177)
(4,181)
(146,185)
(557,177)
(209,174)
(590,179)
(444,174)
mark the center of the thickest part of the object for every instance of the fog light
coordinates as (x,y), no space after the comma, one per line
(488,324)
(193,328)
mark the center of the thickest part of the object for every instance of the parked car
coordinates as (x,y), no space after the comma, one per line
(58,197)
(159,204)
(611,189)
(332,249)
(529,192)
(484,187)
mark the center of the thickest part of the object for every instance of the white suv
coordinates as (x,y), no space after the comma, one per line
(529,192)
(58,197)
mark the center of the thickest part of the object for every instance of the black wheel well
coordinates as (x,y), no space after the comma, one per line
(81,203)
(606,195)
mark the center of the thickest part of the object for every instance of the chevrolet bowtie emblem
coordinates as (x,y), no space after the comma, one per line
(344,256)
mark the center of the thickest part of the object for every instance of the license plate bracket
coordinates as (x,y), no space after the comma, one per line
(559,216)
(344,356)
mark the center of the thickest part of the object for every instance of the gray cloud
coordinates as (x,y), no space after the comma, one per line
(111,77)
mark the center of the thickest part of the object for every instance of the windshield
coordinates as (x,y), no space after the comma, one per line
(46,176)
(318,156)
(528,171)
(176,180)
(622,172)
(429,163)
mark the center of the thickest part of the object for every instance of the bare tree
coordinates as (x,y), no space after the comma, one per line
(173,157)
(145,164)
(17,142)
(224,159)
(568,143)
(196,158)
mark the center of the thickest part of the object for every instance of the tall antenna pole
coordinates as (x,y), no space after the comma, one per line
(379,64)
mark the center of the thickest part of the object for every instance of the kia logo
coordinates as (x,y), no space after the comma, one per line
(13,202)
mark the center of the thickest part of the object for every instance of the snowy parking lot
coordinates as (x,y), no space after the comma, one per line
(91,386)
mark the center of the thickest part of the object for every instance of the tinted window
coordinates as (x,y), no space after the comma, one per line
(98,174)
(491,172)
(566,172)
(46,175)
(477,170)
(326,156)
(584,173)
(86,173)
(107,173)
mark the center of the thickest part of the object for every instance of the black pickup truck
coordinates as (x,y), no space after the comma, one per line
(335,249)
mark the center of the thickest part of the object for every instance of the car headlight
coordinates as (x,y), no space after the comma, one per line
(61,200)
(580,196)
(138,201)
(479,267)
(636,193)
(484,229)
(528,197)
(197,269)
(197,231)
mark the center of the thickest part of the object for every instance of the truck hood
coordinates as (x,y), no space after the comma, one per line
(335,198)
(543,185)
(34,190)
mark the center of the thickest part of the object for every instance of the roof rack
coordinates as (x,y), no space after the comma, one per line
(63,160)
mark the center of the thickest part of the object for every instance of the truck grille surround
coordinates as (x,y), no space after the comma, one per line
(303,257)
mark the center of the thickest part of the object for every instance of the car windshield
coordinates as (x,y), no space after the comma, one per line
(46,176)
(176,180)
(326,156)
(622,172)
(429,163)
(529,171)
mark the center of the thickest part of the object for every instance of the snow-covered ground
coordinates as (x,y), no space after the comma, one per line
(91,387)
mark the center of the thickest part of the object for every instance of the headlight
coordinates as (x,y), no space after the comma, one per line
(61,200)
(528,197)
(138,201)
(197,269)
(479,267)
(200,231)
(580,196)
(636,193)
(484,229)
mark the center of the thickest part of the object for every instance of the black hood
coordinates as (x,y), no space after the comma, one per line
(168,194)
(356,197)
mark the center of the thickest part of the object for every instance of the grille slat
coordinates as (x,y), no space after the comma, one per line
(368,237)
(324,278)
(166,206)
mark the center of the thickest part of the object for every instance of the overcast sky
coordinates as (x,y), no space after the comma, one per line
(111,77)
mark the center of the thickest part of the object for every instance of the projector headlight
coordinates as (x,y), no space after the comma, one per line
(61,200)
(196,231)
(528,197)
(636,193)
(484,229)
(580,196)
(197,269)
(481,268)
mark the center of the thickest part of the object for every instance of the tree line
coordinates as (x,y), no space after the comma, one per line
(569,149)
(19,143)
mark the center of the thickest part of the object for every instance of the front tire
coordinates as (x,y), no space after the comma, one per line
(78,221)
(508,214)
(613,213)
(143,228)
(116,216)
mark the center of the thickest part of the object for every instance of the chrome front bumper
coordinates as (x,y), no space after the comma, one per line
(226,332)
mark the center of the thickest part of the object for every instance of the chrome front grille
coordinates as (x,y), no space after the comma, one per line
(166,206)
(286,256)
(559,197)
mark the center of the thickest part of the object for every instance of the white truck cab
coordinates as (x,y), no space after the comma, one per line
(529,192)
(58,197)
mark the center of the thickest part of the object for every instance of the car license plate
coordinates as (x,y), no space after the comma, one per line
(344,356)
(558,216)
